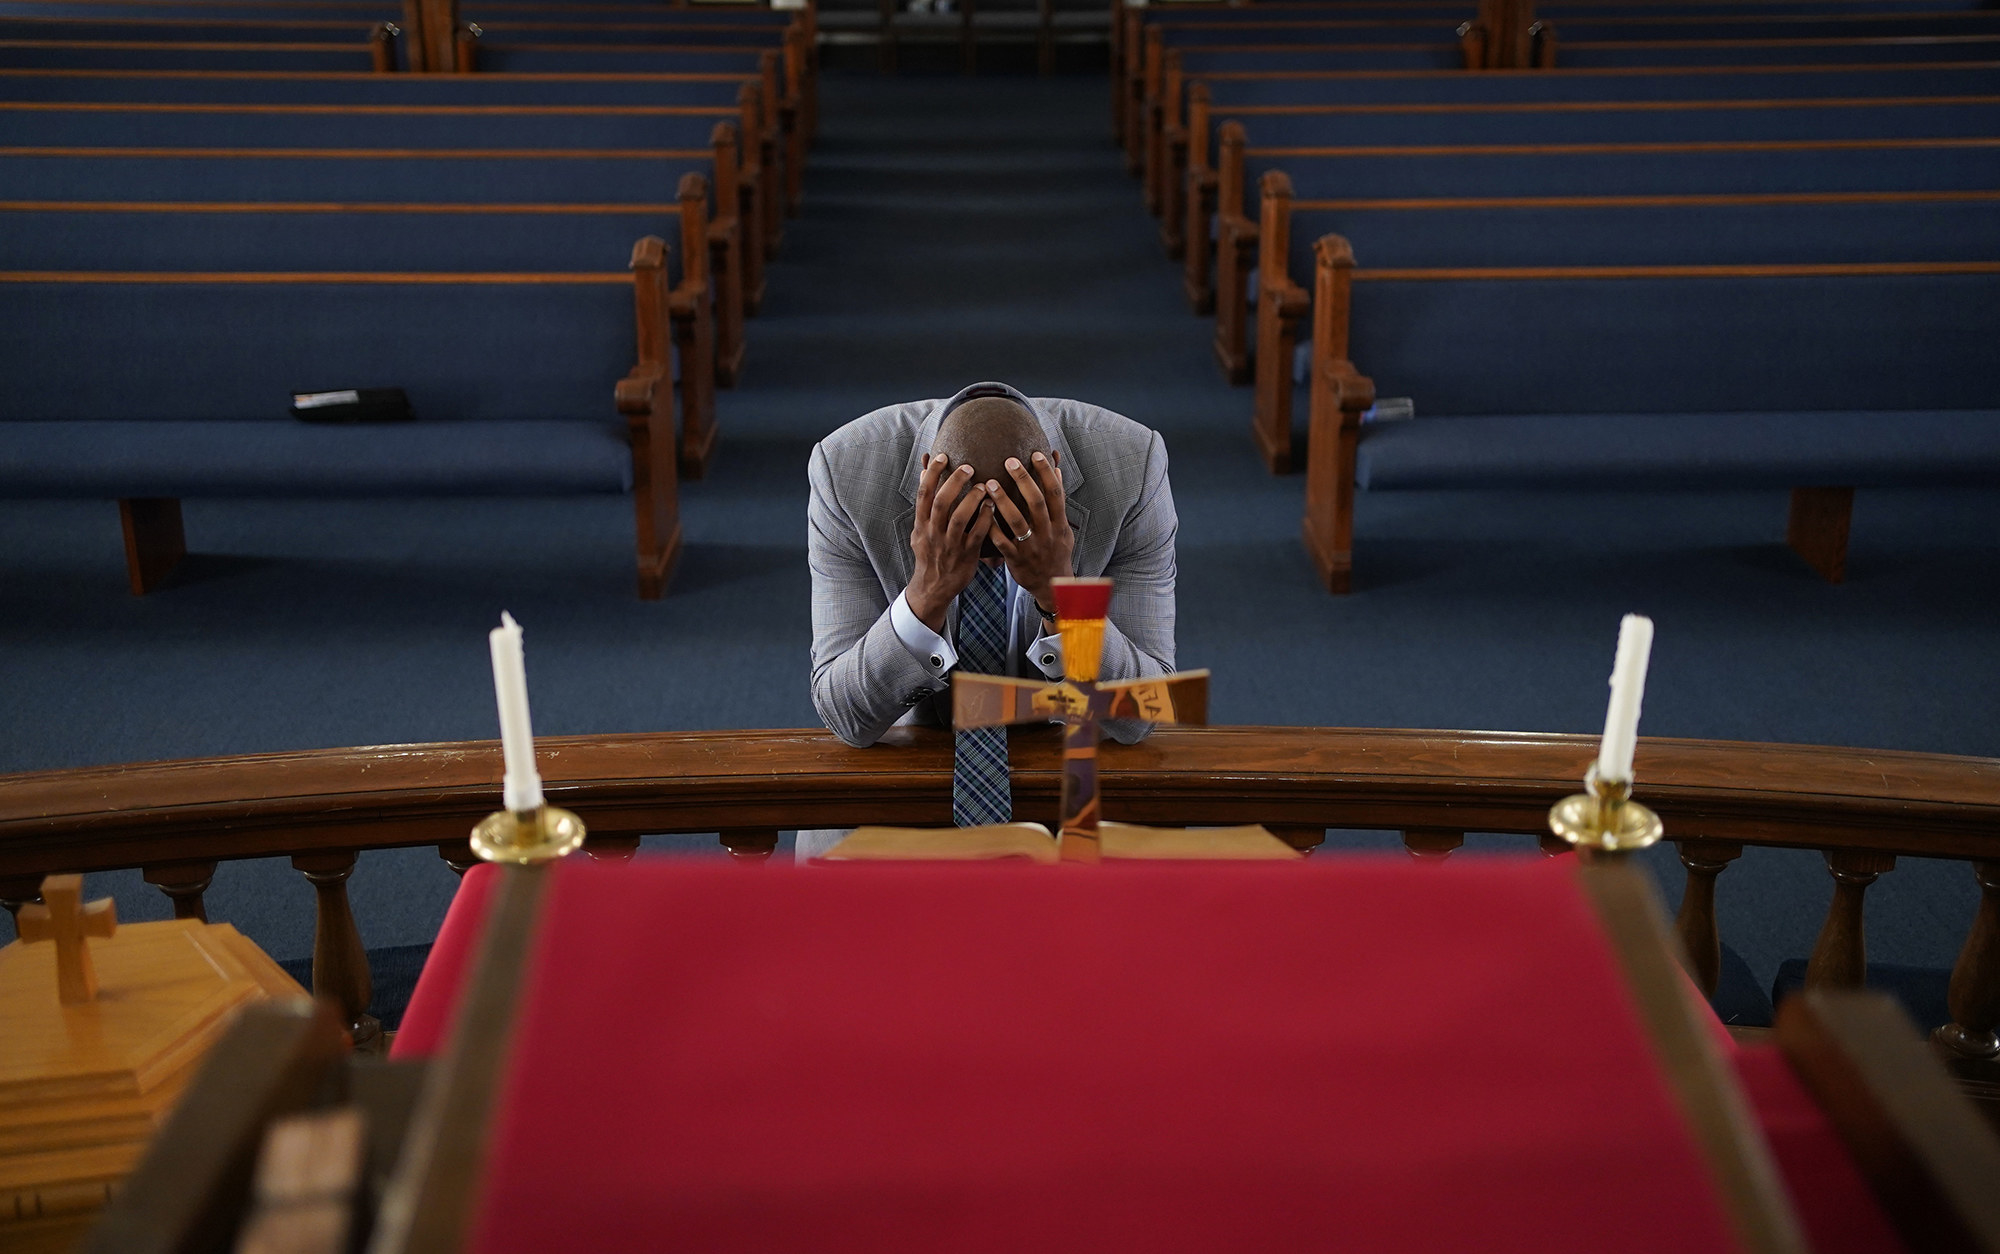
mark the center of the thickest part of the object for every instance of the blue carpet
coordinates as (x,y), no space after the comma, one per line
(959,229)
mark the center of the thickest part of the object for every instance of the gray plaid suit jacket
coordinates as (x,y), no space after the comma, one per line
(864,493)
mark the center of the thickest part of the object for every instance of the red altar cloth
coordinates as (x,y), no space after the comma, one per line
(1359,1054)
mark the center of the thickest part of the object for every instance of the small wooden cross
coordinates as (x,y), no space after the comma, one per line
(65,919)
(1083,703)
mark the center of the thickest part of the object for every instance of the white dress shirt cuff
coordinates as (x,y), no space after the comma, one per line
(1046,655)
(932,651)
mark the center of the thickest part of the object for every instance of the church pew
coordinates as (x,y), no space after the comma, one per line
(439,238)
(491,179)
(1159,130)
(1444,233)
(147,387)
(782,72)
(1158,29)
(1174,50)
(1858,808)
(1857,117)
(1190,153)
(482,92)
(1817,377)
(785,119)
(739,253)
(1356,42)
(1693,164)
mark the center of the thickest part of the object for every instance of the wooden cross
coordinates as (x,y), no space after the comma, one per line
(1082,703)
(65,919)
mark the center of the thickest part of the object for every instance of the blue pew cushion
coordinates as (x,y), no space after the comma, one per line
(1855,448)
(284,458)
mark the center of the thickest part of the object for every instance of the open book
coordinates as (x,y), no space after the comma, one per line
(1036,843)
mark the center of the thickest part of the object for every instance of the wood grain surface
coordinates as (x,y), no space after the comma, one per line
(258,805)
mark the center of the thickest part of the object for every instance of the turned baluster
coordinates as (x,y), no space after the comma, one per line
(751,844)
(1974,996)
(1299,836)
(458,855)
(1431,844)
(340,963)
(183,883)
(617,847)
(1701,940)
(1840,956)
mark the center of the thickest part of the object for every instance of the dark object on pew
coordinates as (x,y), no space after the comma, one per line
(353,405)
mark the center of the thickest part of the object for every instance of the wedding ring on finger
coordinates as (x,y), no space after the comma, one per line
(1024,537)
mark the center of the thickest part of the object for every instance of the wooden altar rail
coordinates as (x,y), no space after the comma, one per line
(1861,809)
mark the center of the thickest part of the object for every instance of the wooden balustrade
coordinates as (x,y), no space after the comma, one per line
(1701,942)
(1860,809)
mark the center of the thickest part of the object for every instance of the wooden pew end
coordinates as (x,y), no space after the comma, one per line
(155,541)
(1817,529)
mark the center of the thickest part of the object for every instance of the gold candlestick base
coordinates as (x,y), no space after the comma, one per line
(523,836)
(1605,819)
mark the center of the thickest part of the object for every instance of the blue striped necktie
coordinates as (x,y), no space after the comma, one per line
(980,789)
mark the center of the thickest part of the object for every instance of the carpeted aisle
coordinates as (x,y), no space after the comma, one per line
(955,230)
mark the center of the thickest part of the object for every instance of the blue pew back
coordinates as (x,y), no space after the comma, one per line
(1630,122)
(366,89)
(437,238)
(1643,169)
(465,350)
(414,126)
(111,55)
(1686,345)
(1646,232)
(1714,83)
(413,175)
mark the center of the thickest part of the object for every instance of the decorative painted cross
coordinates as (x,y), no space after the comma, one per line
(1082,703)
(65,919)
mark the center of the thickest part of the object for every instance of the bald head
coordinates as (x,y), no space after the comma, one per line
(984,432)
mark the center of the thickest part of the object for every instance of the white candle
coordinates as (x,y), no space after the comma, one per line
(523,789)
(1628,689)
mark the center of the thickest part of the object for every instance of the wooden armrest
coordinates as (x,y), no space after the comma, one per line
(1349,388)
(722,230)
(637,392)
(1292,300)
(1234,226)
(685,301)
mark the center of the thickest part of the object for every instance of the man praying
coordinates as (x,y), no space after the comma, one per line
(933,531)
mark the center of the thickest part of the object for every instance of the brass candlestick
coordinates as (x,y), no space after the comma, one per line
(1605,820)
(522,836)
